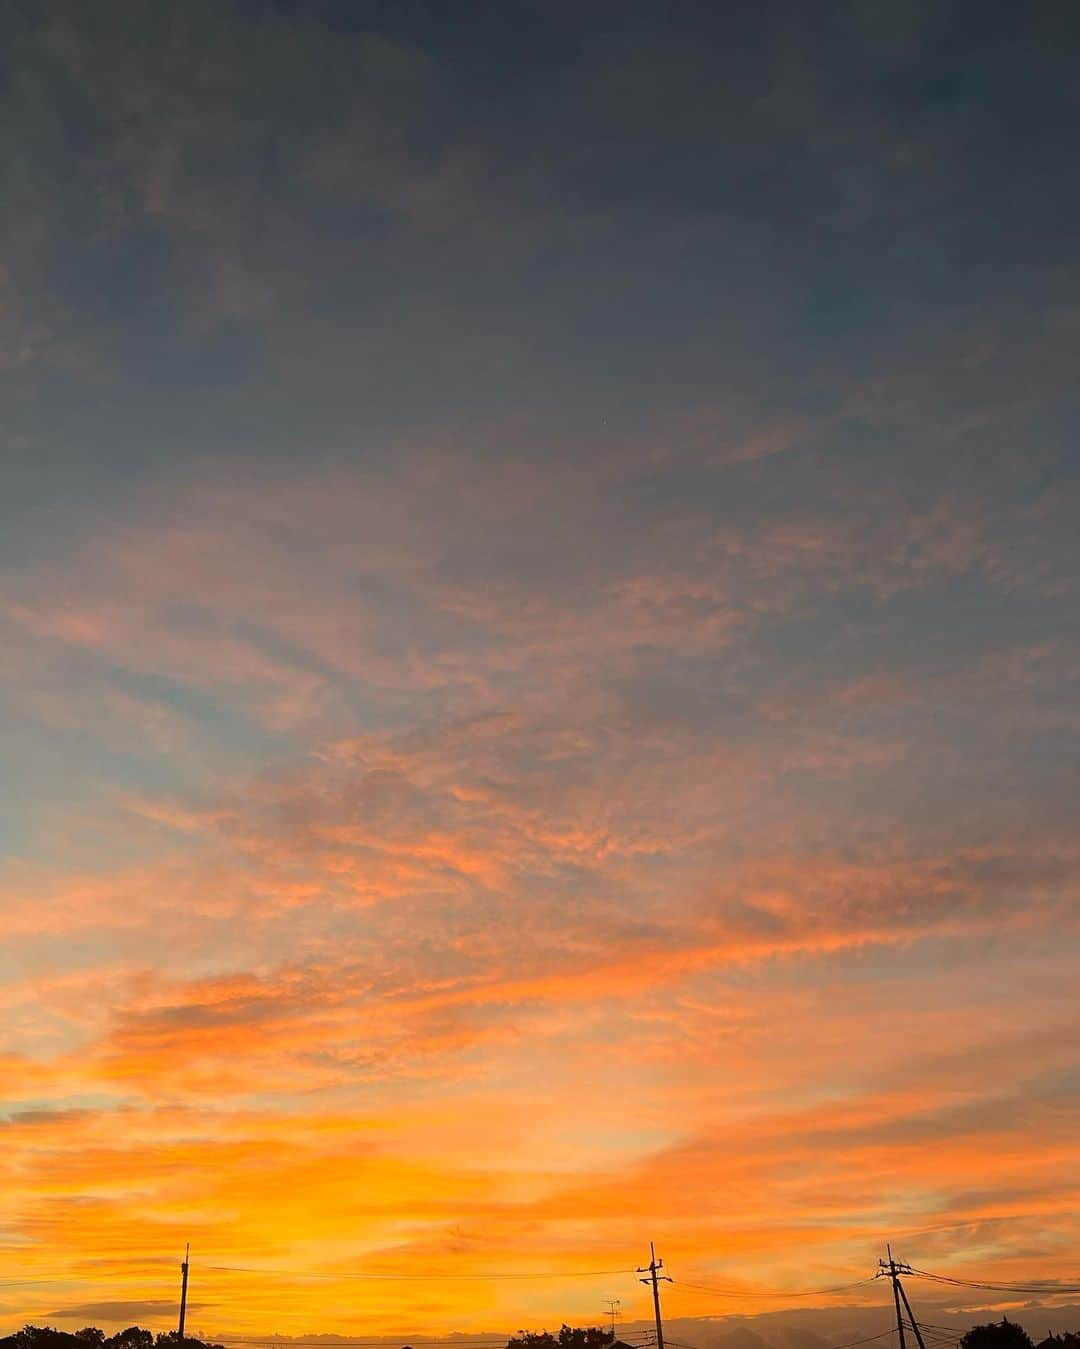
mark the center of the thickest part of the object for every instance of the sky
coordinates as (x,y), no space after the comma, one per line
(539,656)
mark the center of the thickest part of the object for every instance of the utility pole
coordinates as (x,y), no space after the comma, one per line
(653,1269)
(183,1291)
(892,1269)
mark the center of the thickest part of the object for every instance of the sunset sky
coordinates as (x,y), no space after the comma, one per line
(539,656)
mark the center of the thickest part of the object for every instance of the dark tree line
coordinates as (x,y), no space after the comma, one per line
(90,1337)
(569,1337)
(1003,1334)
(1006,1334)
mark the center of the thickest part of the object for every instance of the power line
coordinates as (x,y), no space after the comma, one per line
(331,1341)
(22,1283)
(681,1344)
(868,1339)
(423,1278)
(935,1336)
(1035,1287)
(1045,1286)
(451,1340)
(791,1292)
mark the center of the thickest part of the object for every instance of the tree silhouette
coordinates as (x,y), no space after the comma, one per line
(569,1337)
(48,1337)
(90,1337)
(134,1337)
(1003,1334)
(170,1339)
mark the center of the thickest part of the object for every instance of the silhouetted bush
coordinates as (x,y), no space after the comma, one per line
(569,1337)
(1003,1334)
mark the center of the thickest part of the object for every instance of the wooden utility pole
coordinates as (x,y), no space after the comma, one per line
(183,1291)
(892,1269)
(653,1269)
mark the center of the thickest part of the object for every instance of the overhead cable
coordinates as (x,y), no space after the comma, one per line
(791,1292)
(421,1278)
(1043,1286)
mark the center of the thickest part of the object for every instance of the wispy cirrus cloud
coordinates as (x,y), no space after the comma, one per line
(538,663)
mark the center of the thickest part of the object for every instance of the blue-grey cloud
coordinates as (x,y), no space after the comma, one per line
(539,567)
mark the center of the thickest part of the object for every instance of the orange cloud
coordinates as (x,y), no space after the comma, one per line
(406,910)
